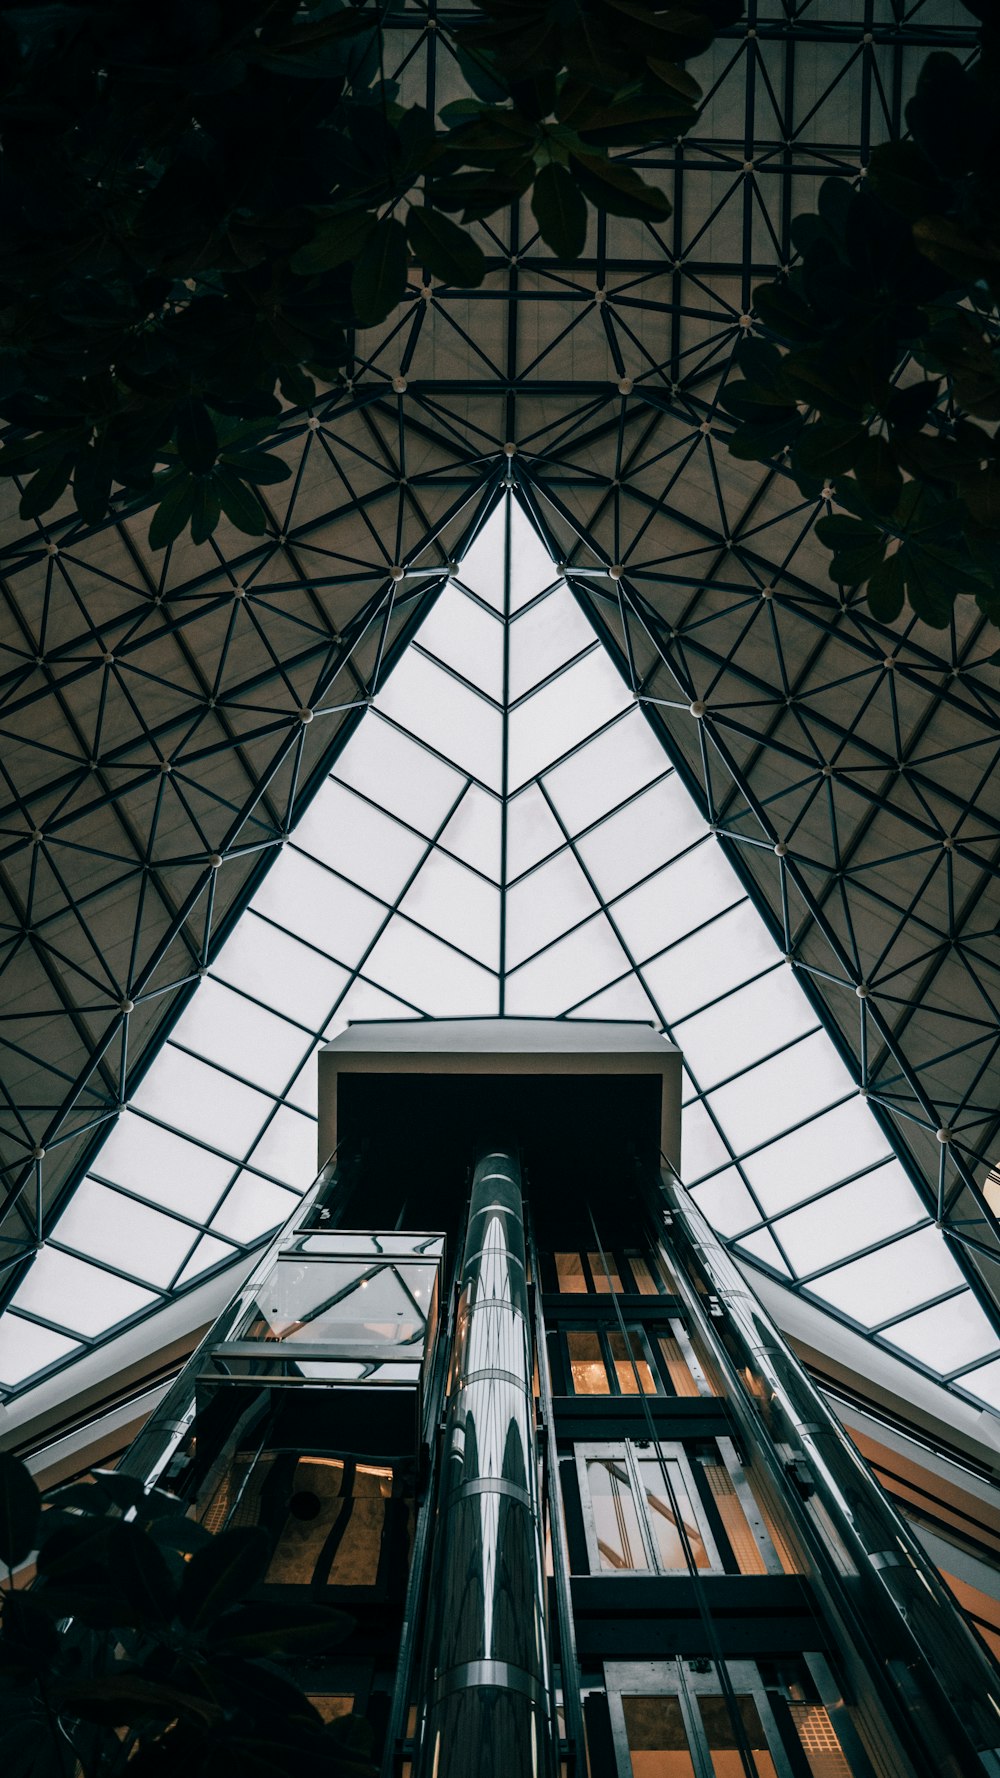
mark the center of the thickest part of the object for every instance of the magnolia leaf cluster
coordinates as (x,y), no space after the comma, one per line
(201,199)
(876,370)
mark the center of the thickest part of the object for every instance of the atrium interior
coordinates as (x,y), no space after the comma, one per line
(535,710)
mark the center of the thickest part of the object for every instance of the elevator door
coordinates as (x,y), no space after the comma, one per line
(669,1719)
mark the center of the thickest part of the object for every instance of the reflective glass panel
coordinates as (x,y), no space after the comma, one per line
(658,1743)
(668,1511)
(616,1522)
(631,1361)
(586,1363)
(724,1740)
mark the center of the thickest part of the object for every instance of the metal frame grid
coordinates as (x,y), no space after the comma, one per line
(164,722)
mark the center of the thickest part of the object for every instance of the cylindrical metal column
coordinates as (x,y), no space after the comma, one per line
(487,1709)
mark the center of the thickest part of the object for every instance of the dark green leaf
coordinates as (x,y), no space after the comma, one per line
(677,79)
(878,475)
(29,1630)
(30,1747)
(119,1699)
(857,548)
(560,211)
(197,441)
(886,589)
(759,441)
(445,249)
(901,175)
(74,1551)
(45,487)
(336,241)
(275,1630)
(257,466)
(828,447)
(907,409)
(296,386)
(175,1531)
(239,503)
(980,494)
(616,188)
(353,1734)
(378,281)
(222,1575)
(783,311)
(92,482)
(479,72)
(207,509)
(173,512)
(141,1572)
(20,1506)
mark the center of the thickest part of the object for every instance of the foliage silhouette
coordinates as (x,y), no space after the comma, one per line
(138,1645)
(878,367)
(199,199)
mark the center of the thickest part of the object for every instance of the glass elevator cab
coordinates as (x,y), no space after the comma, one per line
(499,1391)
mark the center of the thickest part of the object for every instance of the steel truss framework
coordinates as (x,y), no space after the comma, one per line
(165,721)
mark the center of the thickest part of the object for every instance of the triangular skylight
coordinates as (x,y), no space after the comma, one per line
(502,834)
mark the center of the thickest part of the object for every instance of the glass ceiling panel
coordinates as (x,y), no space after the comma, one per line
(131,1237)
(882,1285)
(560,808)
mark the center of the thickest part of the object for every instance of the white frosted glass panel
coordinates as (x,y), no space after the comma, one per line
(532,831)
(226,1028)
(687,892)
(320,907)
(430,975)
(464,636)
(610,768)
(474,831)
(445,714)
(79,1297)
(365,1001)
(573,968)
(544,638)
(102,1224)
(25,1349)
(702,1148)
(627,999)
(984,1384)
(458,905)
(879,1204)
(397,774)
(944,1338)
(253,1208)
(287,1149)
(531,566)
(806,1078)
(181,1090)
(345,832)
(763,1246)
(724,1199)
(304,1088)
(209,1252)
(482,566)
(745,1026)
(545,904)
(721,956)
(170,1170)
(552,720)
(895,1279)
(274,967)
(661,822)
(831,1147)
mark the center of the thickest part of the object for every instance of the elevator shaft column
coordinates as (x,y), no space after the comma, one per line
(487,1706)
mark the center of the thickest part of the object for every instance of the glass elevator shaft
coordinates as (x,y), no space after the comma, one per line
(530,1427)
